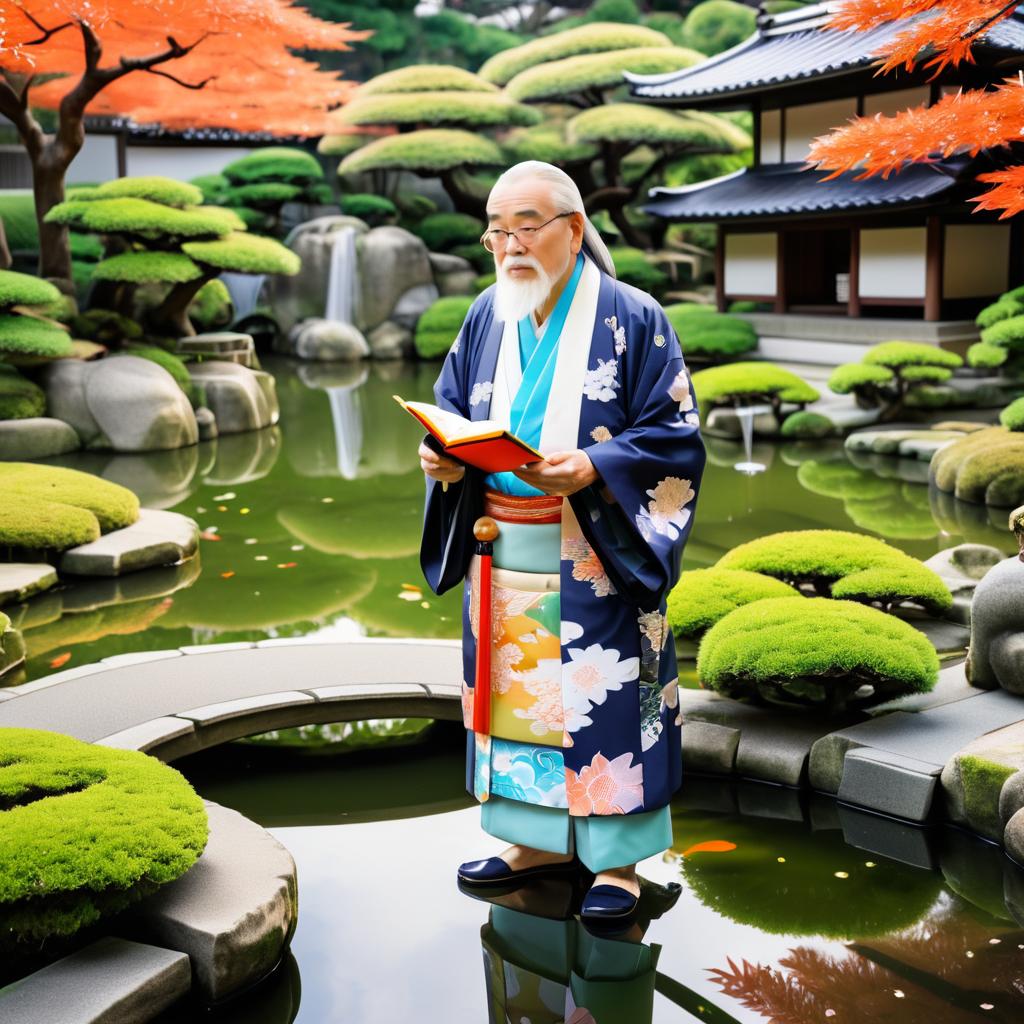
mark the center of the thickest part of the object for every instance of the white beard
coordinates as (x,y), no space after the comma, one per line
(515,299)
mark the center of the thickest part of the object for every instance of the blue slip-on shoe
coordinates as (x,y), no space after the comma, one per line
(604,902)
(494,871)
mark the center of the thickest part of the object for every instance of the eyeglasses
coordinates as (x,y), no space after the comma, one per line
(497,238)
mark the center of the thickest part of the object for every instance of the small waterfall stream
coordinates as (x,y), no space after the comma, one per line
(746,414)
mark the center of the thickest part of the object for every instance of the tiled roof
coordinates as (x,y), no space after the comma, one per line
(791,47)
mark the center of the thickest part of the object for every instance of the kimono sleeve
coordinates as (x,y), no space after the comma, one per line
(638,519)
(448,516)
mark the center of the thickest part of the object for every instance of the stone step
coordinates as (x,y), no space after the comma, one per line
(155,538)
(20,580)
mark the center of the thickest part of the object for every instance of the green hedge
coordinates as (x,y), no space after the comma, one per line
(853,376)
(545,142)
(18,212)
(705,333)
(20,399)
(716,25)
(437,328)
(815,653)
(263,193)
(94,829)
(848,565)
(1007,333)
(1002,309)
(637,123)
(426,78)
(982,355)
(702,597)
(633,267)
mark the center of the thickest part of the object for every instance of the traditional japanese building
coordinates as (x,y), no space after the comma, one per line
(844,261)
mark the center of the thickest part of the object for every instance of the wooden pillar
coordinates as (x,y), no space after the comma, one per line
(720,268)
(934,247)
(780,271)
(756,111)
(122,152)
(853,303)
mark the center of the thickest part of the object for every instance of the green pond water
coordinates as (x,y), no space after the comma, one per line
(312,527)
(790,909)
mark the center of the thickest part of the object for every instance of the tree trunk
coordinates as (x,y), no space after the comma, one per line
(172,314)
(463,201)
(5,252)
(48,172)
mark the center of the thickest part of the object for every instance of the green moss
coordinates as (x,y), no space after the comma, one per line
(426,78)
(848,563)
(853,376)
(94,829)
(982,355)
(750,381)
(170,362)
(706,333)
(571,75)
(598,37)
(131,215)
(26,336)
(807,426)
(438,326)
(33,523)
(702,597)
(633,267)
(167,191)
(991,458)
(898,354)
(278,163)
(815,653)
(112,505)
(1012,417)
(639,123)
(25,290)
(105,326)
(926,374)
(545,142)
(717,25)
(245,254)
(138,267)
(263,193)
(211,308)
(343,143)
(428,150)
(983,781)
(469,109)
(1002,309)
(442,232)
(370,208)
(20,399)
(1008,333)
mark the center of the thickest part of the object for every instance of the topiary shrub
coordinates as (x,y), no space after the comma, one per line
(443,232)
(842,565)
(633,267)
(53,508)
(704,333)
(439,325)
(750,383)
(20,399)
(983,356)
(90,830)
(807,426)
(717,25)
(702,597)
(1002,309)
(986,467)
(22,335)
(1012,417)
(817,653)
(373,209)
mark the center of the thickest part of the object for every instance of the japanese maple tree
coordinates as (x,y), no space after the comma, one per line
(938,35)
(177,63)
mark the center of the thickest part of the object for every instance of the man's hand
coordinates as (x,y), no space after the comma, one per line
(561,473)
(439,467)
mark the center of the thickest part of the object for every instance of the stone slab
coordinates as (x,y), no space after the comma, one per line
(37,437)
(708,747)
(210,714)
(952,686)
(356,692)
(155,538)
(889,783)
(933,735)
(19,580)
(233,912)
(155,733)
(111,981)
(897,840)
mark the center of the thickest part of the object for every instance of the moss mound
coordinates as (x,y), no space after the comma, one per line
(245,254)
(426,78)
(25,290)
(702,597)
(55,508)
(982,356)
(898,354)
(1012,417)
(139,267)
(20,399)
(168,191)
(427,150)
(751,381)
(442,232)
(986,467)
(438,326)
(24,335)
(807,426)
(815,653)
(849,565)
(707,334)
(86,830)
(373,209)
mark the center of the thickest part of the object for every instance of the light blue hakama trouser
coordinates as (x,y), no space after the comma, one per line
(600,841)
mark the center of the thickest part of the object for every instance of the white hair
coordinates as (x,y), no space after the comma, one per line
(566,197)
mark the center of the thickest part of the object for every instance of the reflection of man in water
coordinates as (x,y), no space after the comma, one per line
(583,753)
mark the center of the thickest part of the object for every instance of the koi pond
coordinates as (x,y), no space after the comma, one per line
(312,527)
(771,906)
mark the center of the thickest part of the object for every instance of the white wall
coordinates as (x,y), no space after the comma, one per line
(892,263)
(976,260)
(750,264)
(889,103)
(806,122)
(181,162)
(771,136)
(95,162)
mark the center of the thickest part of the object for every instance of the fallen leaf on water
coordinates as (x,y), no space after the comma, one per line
(409,595)
(711,846)
(222,508)
(61,659)
(208,535)
(227,575)
(226,496)
(412,586)
(244,511)
(251,540)
(327,501)
(287,565)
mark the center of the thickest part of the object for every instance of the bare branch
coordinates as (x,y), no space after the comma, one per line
(178,81)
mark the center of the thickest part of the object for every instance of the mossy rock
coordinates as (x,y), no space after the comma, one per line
(807,426)
(986,467)
(95,829)
(20,399)
(212,307)
(701,597)
(816,653)
(439,325)
(849,565)
(783,879)
(53,508)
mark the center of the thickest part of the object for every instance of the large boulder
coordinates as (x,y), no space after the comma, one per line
(996,654)
(305,295)
(391,341)
(241,399)
(453,275)
(396,278)
(326,341)
(128,404)
(37,437)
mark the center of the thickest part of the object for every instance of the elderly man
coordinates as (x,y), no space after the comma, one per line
(582,754)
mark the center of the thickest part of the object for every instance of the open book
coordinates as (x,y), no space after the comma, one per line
(485,444)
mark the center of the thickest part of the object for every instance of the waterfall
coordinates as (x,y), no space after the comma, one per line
(341,277)
(244,290)
(348,428)
(745,414)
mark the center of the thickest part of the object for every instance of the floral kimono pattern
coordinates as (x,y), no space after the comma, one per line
(590,671)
